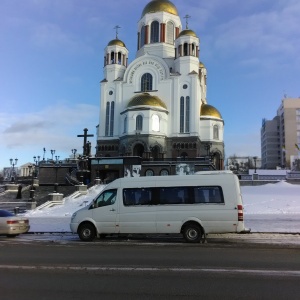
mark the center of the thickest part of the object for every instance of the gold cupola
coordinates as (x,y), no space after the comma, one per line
(188,32)
(209,111)
(146,99)
(160,5)
(116,42)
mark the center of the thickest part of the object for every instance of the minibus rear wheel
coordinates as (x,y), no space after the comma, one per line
(87,232)
(192,233)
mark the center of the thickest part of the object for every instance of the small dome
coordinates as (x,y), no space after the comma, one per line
(209,111)
(160,5)
(201,64)
(116,42)
(146,99)
(187,32)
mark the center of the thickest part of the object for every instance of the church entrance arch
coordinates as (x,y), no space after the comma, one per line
(138,150)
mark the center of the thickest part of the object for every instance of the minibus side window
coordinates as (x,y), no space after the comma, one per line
(106,198)
(173,195)
(208,194)
(137,196)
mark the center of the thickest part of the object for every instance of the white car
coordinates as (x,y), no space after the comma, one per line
(12,225)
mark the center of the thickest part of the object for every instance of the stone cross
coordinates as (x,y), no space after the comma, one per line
(187,17)
(117,30)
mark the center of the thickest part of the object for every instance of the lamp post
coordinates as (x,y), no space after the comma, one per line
(37,161)
(57,165)
(31,191)
(207,147)
(74,152)
(254,158)
(44,150)
(178,149)
(13,163)
(52,152)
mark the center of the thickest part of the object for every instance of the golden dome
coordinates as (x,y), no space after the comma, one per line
(201,64)
(209,111)
(116,42)
(146,99)
(187,32)
(160,5)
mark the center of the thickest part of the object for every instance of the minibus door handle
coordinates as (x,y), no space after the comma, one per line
(112,209)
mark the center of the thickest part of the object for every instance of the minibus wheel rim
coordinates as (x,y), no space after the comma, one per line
(87,232)
(192,233)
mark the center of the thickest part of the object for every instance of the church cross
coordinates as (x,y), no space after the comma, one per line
(187,17)
(85,136)
(117,30)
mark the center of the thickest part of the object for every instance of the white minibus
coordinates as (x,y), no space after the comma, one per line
(193,205)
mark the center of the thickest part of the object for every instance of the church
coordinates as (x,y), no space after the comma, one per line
(155,107)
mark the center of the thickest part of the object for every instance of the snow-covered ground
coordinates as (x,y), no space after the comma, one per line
(267,208)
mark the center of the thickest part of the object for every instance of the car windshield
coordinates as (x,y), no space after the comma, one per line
(5,213)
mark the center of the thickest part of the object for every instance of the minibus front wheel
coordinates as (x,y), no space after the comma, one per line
(192,232)
(87,232)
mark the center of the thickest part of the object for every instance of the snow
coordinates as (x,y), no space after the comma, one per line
(267,208)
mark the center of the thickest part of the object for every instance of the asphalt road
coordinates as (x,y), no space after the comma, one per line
(147,269)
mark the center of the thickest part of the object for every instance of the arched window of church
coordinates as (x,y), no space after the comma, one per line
(187,114)
(143,34)
(185,49)
(112,58)
(216,132)
(112,118)
(154,32)
(155,123)
(119,58)
(107,118)
(146,82)
(193,50)
(125,125)
(170,33)
(139,123)
(181,115)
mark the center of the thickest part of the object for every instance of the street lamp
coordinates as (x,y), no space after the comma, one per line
(52,152)
(44,150)
(74,152)
(31,191)
(37,161)
(254,158)
(13,163)
(57,165)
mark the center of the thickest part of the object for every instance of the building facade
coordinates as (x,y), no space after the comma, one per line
(280,137)
(156,106)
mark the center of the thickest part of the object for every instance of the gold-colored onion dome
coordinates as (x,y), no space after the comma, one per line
(209,111)
(146,99)
(201,64)
(187,32)
(116,42)
(160,5)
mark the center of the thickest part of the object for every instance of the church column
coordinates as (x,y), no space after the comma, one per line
(162,32)
(146,34)
(190,49)
(176,32)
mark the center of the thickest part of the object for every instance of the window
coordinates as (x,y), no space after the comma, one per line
(173,195)
(139,123)
(138,196)
(208,194)
(146,82)
(154,32)
(155,123)
(170,33)
(185,49)
(187,114)
(216,132)
(181,114)
(149,172)
(112,117)
(106,198)
(107,119)
(125,125)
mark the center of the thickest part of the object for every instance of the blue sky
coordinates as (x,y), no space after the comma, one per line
(51,63)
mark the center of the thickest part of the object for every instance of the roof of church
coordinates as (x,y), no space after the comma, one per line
(116,42)
(209,111)
(187,32)
(146,99)
(160,5)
